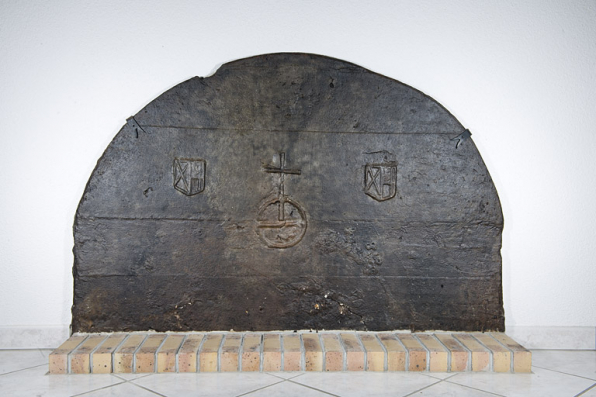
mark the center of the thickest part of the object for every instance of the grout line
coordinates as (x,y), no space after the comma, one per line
(281,347)
(177,355)
(98,389)
(345,352)
(24,369)
(240,352)
(564,373)
(473,388)
(93,351)
(469,364)
(449,358)
(157,351)
(386,358)
(302,354)
(69,355)
(363,350)
(149,390)
(313,388)
(593,387)
(134,355)
(219,349)
(260,388)
(198,353)
(425,387)
(427,369)
(262,352)
(491,356)
(407,368)
(323,353)
(511,353)
(112,359)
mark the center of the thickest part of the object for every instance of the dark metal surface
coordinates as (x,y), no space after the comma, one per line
(289,191)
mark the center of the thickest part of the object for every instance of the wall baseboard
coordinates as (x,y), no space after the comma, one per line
(531,337)
(33,337)
(558,338)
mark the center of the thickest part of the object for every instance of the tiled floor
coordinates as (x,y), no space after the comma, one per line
(555,373)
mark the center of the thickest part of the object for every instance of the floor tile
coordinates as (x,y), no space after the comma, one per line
(121,390)
(288,389)
(35,382)
(14,360)
(581,363)
(46,352)
(440,375)
(203,384)
(590,393)
(286,375)
(131,376)
(451,389)
(348,384)
(541,383)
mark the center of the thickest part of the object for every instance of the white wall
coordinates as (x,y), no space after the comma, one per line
(521,75)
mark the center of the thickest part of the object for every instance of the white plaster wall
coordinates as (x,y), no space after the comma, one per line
(521,75)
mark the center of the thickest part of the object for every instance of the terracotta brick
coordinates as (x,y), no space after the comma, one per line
(188,353)
(292,352)
(522,358)
(480,355)
(251,353)
(271,352)
(416,352)
(145,356)
(354,352)
(228,358)
(166,356)
(124,356)
(396,353)
(437,354)
(313,354)
(500,354)
(102,357)
(208,357)
(460,357)
(333,352)
(375,355)
(59,357)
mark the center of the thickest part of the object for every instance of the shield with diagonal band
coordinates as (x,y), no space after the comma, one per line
(380,180)
(189,176)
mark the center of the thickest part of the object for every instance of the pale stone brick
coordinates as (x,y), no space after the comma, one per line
(292,352)
(354,352)
(251,353)
(166,356)
(460,357)
(102,357)
(313,354)
(208,357)
(271,352)
(375,355)
(145,356)
(437,354)
(480,355)
(416,352)
(334,352)
(124,356)
(396,353)
(59,357)
(188,354)
(522,358)
(229,355)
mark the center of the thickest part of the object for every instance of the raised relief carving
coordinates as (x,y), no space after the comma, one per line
(189,176)
(281,219)
(380,175)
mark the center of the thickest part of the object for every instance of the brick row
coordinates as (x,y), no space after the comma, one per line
(305,351)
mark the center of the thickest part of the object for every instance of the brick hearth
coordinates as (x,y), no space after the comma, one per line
(288,351)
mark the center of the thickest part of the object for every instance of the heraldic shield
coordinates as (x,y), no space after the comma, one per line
(380,180)
(189,176)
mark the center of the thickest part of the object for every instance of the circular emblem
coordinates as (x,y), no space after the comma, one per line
(281,222)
